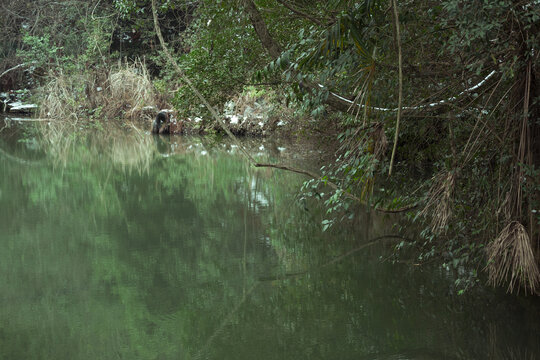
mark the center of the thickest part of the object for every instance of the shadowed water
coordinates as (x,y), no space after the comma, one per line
(141,247)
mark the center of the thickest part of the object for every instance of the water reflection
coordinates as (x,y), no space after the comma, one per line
(142,247)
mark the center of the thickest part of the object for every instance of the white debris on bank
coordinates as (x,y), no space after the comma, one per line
(22,108)
(251,116)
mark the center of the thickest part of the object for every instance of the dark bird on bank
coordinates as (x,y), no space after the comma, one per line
(165,123)
(161,124)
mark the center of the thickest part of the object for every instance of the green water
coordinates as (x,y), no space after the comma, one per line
(141,247)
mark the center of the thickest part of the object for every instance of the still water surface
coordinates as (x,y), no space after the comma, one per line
(175,248)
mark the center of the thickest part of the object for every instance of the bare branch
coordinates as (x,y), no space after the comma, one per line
(15,68)
(335,187)
(302,14)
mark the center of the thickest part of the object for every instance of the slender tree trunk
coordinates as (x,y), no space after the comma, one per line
(400,95)
(259,25)
(274,50)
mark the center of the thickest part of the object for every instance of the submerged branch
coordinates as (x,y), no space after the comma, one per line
(335,187)
(19,160)
(312,175)
(224,323)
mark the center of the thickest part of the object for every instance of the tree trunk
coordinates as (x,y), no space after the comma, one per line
(266,39)
(274,50)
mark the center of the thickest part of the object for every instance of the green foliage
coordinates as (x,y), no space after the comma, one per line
(129,7)
(531,187)
(224,52)
(40,51)
(97,42)
(447,138)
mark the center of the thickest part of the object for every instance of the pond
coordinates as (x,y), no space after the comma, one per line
(144,247)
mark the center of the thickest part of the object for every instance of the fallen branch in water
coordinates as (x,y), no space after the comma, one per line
(224,323)
(295,170)
(312,175)
(334,186)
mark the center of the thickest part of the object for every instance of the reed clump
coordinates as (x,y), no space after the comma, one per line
(103,99)
(118,93)
(440,201)
(511,260)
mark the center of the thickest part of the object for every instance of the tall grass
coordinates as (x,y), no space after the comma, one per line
(116,94)
(440,201)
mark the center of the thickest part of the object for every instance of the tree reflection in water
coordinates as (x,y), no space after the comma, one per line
(144,247)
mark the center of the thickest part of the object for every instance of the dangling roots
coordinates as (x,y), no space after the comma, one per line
(439,204)
(380,141)
(511,259)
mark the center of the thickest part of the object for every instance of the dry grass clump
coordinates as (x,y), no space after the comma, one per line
(130,88)
(95,99)
(380,141)
(440,201)
(62,99)
(118,93)
(511,259)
